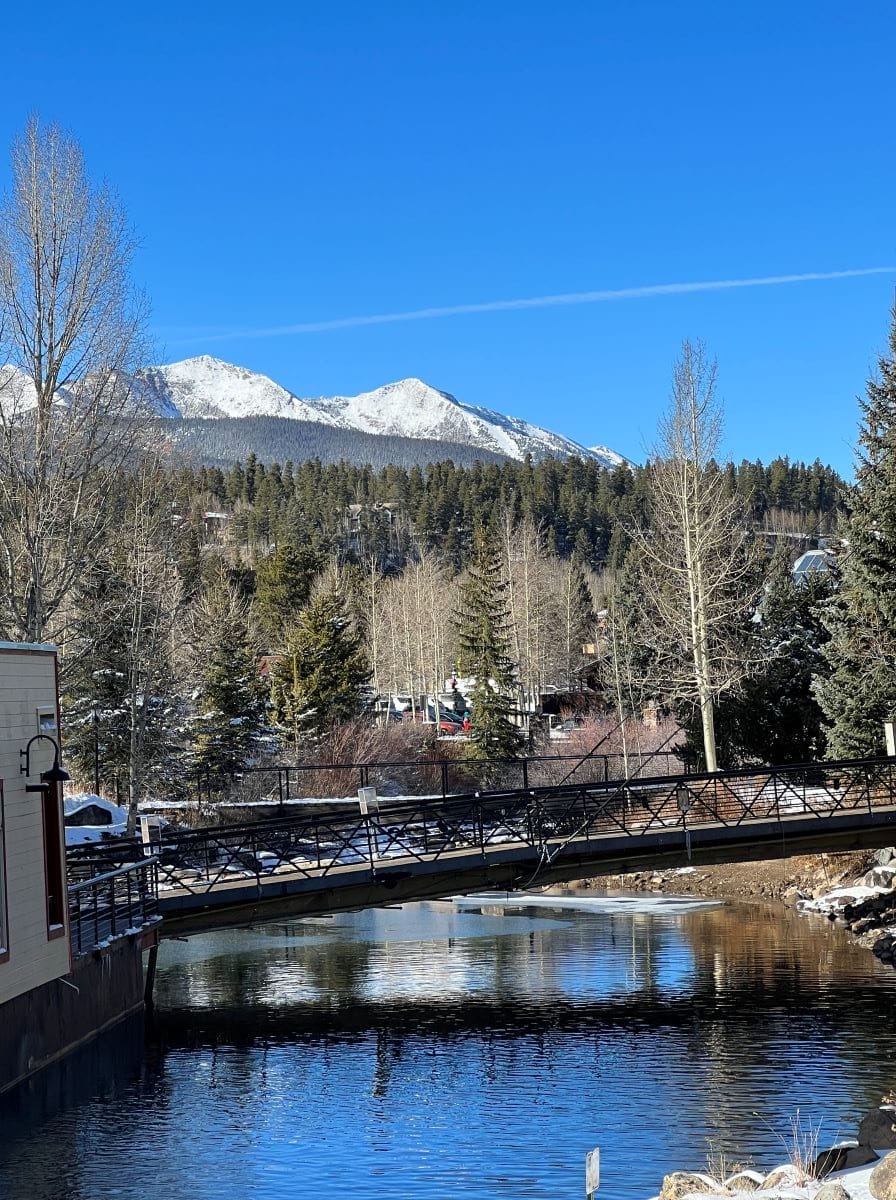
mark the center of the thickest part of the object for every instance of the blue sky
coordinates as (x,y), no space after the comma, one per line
(294,163)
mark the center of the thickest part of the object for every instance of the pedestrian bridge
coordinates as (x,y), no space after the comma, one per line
(312,862)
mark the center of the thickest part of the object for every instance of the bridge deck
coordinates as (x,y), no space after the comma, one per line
(418,849)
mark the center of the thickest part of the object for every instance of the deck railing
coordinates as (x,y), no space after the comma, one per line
(105,903)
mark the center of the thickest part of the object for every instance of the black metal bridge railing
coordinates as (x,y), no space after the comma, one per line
(107,901)
(549,822)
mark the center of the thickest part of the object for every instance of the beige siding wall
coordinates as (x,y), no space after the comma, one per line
(27,686)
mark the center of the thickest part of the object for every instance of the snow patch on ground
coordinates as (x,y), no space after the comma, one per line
(838,897)
(79,835)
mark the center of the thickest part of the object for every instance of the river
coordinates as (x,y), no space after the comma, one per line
(465,1050)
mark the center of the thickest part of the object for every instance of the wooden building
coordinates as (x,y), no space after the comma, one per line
(34,943)
(62,979)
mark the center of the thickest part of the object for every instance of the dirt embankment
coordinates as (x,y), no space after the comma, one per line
(786,879)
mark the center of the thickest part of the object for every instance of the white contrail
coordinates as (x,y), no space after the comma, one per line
(631,293)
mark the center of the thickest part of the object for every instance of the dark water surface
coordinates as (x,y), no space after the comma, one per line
(446,1051)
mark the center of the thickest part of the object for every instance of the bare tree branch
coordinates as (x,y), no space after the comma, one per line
(70,340)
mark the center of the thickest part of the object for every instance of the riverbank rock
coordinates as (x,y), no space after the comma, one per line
(878,1129)
(881,877)
(882,1180)
(832,1191)
(743,1181)
(842,1158)
(688,1183)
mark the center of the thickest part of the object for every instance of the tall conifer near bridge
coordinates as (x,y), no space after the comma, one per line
(860,693)
(484,639)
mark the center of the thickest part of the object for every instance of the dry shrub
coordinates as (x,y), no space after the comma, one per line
(398,758)
(596,751)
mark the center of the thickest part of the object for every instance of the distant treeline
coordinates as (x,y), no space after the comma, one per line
(582,508)
(222,442)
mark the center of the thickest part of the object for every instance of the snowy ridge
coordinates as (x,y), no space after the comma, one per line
(208,388)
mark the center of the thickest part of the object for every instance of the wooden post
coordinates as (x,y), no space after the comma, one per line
(150,977)
(592,1172)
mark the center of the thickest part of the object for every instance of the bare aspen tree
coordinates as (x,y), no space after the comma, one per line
(416,637)
(696,560)
(154,598)
(70,338)
(532,609)
(373,581)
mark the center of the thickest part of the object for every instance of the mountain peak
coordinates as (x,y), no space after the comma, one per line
(211,388)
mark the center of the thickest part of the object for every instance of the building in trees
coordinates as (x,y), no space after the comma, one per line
(860,692)
(772,715)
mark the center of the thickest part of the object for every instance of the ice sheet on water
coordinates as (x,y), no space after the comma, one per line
(594,902)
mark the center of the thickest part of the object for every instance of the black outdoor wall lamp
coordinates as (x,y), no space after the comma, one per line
(55,774)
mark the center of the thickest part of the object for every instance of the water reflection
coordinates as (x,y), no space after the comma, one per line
(471,1051)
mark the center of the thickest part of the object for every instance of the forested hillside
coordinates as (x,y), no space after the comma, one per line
(581,508)
(276,439)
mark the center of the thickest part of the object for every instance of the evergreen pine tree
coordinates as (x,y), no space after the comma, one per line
(228,723)
(94,682)
(282,586)
(860,693)
(484,653)
(321,679)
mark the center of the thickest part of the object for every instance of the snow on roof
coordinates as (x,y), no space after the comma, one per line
(78,835)
(44,647)
(812,560)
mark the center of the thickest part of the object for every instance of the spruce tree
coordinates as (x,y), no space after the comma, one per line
(860,693)
(228,723)
(282,586)
(321,679)
(484,653)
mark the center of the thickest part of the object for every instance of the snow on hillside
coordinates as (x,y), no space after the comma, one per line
(209,388)
(17,393)
(605,454)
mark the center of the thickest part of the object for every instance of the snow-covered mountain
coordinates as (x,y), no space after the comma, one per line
(209,388)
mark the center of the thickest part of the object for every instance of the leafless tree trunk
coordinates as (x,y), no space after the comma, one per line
(695,548)
(155,599)
(70,338)
(416,626)
(533,606)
